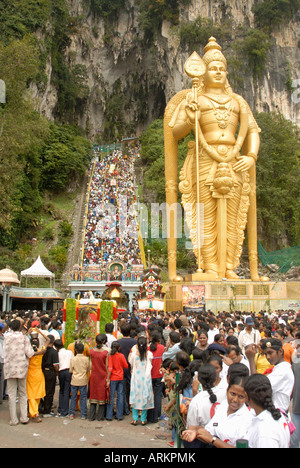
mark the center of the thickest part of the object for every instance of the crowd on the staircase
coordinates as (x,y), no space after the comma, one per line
(111,232)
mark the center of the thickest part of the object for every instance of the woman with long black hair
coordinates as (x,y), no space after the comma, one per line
(269,429)
(141,392)
(98,394)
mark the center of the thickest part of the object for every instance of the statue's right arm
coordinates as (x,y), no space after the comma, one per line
(182,126)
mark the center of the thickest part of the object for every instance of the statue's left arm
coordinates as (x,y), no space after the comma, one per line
(250,151)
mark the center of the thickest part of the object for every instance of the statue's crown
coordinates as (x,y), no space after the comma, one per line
(213,52)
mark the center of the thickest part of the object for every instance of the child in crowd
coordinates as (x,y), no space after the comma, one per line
(79,368)
(170,407)
(184,387)
(115,380)
(168,369)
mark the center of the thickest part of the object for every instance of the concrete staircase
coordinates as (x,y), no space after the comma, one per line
(74,253)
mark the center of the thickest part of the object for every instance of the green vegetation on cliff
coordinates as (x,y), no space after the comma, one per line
(36,155)
(278,175)
(39,159)
(272,13)
(153,12)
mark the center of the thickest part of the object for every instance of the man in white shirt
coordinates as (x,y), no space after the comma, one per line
(17,351)
(53,331)
(249,335)
(212,332)
(64,377)
(172,346)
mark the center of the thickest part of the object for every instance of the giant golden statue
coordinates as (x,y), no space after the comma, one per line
(218,179)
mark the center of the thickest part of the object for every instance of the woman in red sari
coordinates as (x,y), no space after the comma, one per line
(98,391)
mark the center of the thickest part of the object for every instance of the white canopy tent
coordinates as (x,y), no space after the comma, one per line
(38,270)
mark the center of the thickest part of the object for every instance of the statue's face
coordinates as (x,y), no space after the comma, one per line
(216,75)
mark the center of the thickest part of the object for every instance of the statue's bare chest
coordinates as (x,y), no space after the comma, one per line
(219,110)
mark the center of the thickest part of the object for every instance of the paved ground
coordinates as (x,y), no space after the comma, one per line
(63,433)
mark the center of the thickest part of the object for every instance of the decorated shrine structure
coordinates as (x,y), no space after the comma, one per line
(151,296)
(85,319)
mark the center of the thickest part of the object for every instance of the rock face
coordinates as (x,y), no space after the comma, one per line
(130,80)
(293,274)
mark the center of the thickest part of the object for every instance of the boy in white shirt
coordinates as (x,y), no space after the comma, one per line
(282,378)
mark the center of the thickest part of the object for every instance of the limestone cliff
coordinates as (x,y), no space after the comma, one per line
(130,78)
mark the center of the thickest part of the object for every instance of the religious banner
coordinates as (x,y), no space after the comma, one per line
(193,296)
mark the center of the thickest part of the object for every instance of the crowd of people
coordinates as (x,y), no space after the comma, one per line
(111,232)
(237,375)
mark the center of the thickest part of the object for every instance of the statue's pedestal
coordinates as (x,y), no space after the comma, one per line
(200,277)
(229,295)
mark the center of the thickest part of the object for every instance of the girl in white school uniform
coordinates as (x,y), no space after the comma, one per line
(203,406)
(231,421)
(269,428)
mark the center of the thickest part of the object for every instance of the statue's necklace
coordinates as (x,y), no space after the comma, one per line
(223,107)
